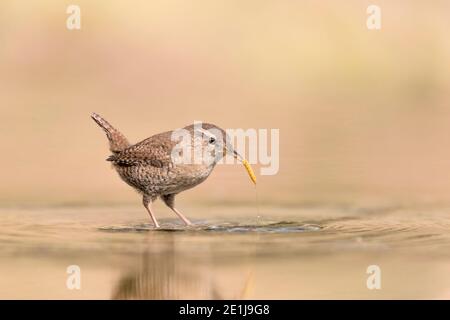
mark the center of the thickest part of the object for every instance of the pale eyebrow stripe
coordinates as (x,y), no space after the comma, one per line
(206,133)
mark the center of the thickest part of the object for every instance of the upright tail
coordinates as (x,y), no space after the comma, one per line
(117,141)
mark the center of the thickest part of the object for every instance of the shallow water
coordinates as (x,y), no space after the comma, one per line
(229,227)
(292,253)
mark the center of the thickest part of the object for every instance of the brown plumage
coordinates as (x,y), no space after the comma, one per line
(149,167)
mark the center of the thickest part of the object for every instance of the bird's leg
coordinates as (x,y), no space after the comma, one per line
(147,201)
(169,200)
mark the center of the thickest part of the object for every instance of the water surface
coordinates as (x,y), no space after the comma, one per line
(290,253)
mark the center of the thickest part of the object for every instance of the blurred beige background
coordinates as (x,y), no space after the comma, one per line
(363,115)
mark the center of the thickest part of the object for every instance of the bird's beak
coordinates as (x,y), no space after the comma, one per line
(230,150)
(237,156)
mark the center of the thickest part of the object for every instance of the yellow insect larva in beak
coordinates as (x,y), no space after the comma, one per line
(249,170)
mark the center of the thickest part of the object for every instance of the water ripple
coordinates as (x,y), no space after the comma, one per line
(272,227)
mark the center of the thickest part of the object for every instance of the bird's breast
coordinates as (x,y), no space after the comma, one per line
(191,173)
(166,180)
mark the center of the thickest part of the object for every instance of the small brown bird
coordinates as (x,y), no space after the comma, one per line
(164,165)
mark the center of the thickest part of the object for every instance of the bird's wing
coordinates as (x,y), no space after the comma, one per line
(148,152)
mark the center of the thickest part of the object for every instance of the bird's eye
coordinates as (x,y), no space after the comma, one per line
(212,140)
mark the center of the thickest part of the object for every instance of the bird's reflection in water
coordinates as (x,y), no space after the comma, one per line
(171,274)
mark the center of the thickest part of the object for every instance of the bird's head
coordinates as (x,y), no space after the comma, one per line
(213,143)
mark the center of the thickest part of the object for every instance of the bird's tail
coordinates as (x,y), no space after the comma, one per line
(117,141)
